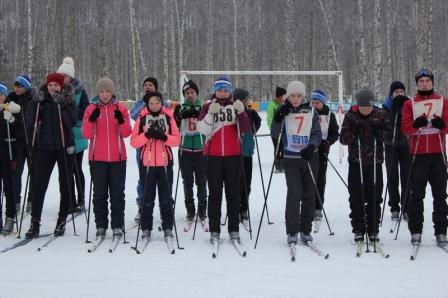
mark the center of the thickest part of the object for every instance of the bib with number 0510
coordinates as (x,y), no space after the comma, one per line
(431,108)
(225,116)
(298,130)
(188,127)
(324,125)
(155,122)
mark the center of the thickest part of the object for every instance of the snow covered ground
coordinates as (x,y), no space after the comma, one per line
(65,269)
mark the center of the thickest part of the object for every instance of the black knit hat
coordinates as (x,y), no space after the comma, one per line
(396,85)
(188,85)
(240,94)
(153,81)
(364,98)
(148,95)
(279,91)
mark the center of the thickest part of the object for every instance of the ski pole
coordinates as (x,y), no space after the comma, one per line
(337,172)
(363,195)
(374,192)
(123,228)
(30,168)
(408,182)
(67,176)
(319,198)
(269,183)
(91,179)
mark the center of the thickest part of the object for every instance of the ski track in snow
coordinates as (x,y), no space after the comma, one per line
(65,269)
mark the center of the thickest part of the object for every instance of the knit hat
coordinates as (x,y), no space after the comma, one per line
(319,95)
(223,82)
(240,94)
(295,87)
(190,85)
(279,91)
(105,84)
(396,85)
(153,81)
(424,73)
(23,81)
(148,95)
(364,98)
(3,89)
(67,67)
(55,77)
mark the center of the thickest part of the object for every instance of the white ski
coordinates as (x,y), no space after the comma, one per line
(96,244)
(359,248)
(114,244)
(317,223)
(215,243)
(238,247)
(169,245)
(414,251)
(204,225)
(314,248)
(292,251)
(393,226)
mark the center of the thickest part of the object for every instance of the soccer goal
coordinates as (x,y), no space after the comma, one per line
(184,78)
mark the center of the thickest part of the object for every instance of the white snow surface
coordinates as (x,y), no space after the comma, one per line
(65,269)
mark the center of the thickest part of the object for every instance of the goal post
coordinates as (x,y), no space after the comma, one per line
(337,73)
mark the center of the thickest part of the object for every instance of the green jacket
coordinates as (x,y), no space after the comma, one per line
(271,111)
(192,139)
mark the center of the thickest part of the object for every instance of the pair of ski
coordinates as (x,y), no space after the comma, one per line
(415,248)
(147,240)
(190,223)
(377,247)
(100,240)
(216,243)
(310,245)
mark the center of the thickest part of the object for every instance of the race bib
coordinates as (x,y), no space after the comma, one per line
(158,123)
(324,125)
(225,116)
(188,127)
(431,108)
(298,130)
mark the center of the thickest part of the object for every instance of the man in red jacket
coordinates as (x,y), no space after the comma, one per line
(424,121)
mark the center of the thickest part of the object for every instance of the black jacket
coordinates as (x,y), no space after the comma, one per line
(49,130)
(25,102)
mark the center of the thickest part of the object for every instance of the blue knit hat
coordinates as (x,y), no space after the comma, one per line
(3,89)
(23,81)
(223,82)
(319,95)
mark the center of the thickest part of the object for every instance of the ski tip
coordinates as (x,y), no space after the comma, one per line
(172,252)
(39,249)
(412,258)
(213,255)
(110,250)
(387,256)
(326,256)
(358,255)
(315,232)
(391,231)
(244,254)
(293,259)
(89,251)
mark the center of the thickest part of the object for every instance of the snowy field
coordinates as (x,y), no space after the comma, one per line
(65,269)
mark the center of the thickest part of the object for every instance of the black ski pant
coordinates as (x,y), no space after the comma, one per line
(300,198)
(428,168)
(397,166)
(109,180)
(22,155)
(321,179)
(368,205)
(224,170)
(244,204)
(6,176)
(43,167)
(192,166)
(78,180)
(152,179)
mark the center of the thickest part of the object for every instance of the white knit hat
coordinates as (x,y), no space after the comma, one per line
(295,87)
(67,67)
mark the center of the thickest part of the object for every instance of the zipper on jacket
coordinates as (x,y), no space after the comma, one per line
(108,139)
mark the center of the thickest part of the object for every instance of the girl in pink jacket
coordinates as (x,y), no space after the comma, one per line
(155,131)
(106,124)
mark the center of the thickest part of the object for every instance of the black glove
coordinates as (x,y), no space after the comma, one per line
(119,116)
(398,101)
(95,114)
(420,122)
(284,110)
(438,123)
(190,113)
(307,153)
(152,133)
(324,147)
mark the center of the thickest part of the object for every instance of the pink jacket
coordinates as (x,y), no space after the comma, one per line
(155,153)
(109,146)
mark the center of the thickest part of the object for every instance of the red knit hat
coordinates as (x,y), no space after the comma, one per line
(57,78)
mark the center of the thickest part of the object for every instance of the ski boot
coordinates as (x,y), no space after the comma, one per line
(34,230)
(8,227)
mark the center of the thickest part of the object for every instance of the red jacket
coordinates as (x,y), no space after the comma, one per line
(155,153)
(223,139)
(108,143)
(428,143)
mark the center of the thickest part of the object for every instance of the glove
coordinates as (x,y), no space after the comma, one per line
(420,122)
(39,96)
(95,114)
(119,116)
(308,152)
(152,133)
(58,98)
(7,115)
(14,108)
(398,101)
(214,108)
(324,147)
(284,110)
(438,123)
(238,106)
(190,113)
